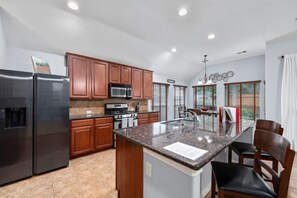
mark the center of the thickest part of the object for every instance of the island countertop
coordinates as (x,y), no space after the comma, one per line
(209,134)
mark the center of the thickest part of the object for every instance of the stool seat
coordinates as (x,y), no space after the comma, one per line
(242,148)
(240,179)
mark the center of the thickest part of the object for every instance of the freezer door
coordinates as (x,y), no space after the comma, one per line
(16,117)
(51,122)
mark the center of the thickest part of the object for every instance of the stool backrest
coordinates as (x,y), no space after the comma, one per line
(269,125)
(279,148)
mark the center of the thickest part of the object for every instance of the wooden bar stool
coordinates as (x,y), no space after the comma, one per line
(247,150)
(239,181)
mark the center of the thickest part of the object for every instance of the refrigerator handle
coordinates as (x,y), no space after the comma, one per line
(2,114)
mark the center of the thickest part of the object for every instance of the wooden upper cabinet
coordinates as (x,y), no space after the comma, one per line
(126,75)
(89,78)
(119,74)
(99,79)
(147,84)
(79,74)
(115,73)
(137,83)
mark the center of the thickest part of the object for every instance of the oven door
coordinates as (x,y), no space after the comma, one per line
(117,92)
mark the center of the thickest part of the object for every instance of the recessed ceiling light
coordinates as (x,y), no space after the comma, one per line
(211,36)
(182,12)
(72,5)
(242,52)
(173,50)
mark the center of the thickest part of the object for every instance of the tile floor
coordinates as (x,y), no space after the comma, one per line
(86,177)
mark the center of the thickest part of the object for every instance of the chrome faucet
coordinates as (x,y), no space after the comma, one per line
(193,115)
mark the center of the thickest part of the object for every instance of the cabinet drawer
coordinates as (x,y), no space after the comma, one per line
(153,119)
(103,120)
(80,123)
(151,115)
(142,116)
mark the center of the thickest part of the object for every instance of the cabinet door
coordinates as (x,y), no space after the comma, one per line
(126,75)
(99,79)
(153,119)
(115,73)
(103,136)
(147,84)
(142,121)
(137,82)
(80,79)
(82,140)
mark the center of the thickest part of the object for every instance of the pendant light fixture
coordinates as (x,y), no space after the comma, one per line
(205,80)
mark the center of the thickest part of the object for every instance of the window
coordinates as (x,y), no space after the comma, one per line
(179,99)
(160,99)
(246,96)
(205,96)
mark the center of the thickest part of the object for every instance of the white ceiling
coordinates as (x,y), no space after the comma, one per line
(142,32)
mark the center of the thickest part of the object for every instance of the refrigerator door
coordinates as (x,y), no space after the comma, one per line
(51,122)
(16,130)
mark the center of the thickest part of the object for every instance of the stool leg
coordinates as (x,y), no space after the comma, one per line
(213,186)
(221,194)
(275,165)
(230,155)
(275,168)
(240,160)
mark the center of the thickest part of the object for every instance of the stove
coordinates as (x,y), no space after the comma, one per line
(122,118)
(119,111)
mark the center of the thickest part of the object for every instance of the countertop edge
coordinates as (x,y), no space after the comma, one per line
(94,116)
(84,117)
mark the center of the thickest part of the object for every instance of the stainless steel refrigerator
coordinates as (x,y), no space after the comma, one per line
(34,129)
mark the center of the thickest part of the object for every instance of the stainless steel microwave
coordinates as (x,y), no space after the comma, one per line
(120,91)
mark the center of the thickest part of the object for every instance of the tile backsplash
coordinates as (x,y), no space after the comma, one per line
(78,107)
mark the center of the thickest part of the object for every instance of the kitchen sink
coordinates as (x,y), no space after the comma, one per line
(179,122)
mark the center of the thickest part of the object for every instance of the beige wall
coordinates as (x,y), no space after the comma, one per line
(78,107)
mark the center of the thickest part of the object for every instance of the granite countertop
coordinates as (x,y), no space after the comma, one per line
(88,116)
(209,134)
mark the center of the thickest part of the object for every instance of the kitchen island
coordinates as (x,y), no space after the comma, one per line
(145,169)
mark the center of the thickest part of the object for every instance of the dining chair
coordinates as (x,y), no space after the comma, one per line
(240,181)
(247,150)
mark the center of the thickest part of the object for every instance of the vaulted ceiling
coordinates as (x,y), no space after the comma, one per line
(142,32)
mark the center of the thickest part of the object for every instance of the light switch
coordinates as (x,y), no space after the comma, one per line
(148,169)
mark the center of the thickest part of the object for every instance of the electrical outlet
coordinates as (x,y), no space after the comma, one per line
(148,169)
(89,112)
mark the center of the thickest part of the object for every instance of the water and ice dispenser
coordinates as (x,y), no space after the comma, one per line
(15,117)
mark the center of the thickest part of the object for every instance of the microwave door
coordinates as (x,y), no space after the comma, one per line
(118,92)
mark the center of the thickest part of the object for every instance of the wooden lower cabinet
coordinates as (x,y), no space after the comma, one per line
(103,136)
(129,169)
(143,119)
(90,135)
(153,117)
(148,118)
(82,140)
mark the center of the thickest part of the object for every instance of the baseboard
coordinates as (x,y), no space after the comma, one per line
(206,190)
